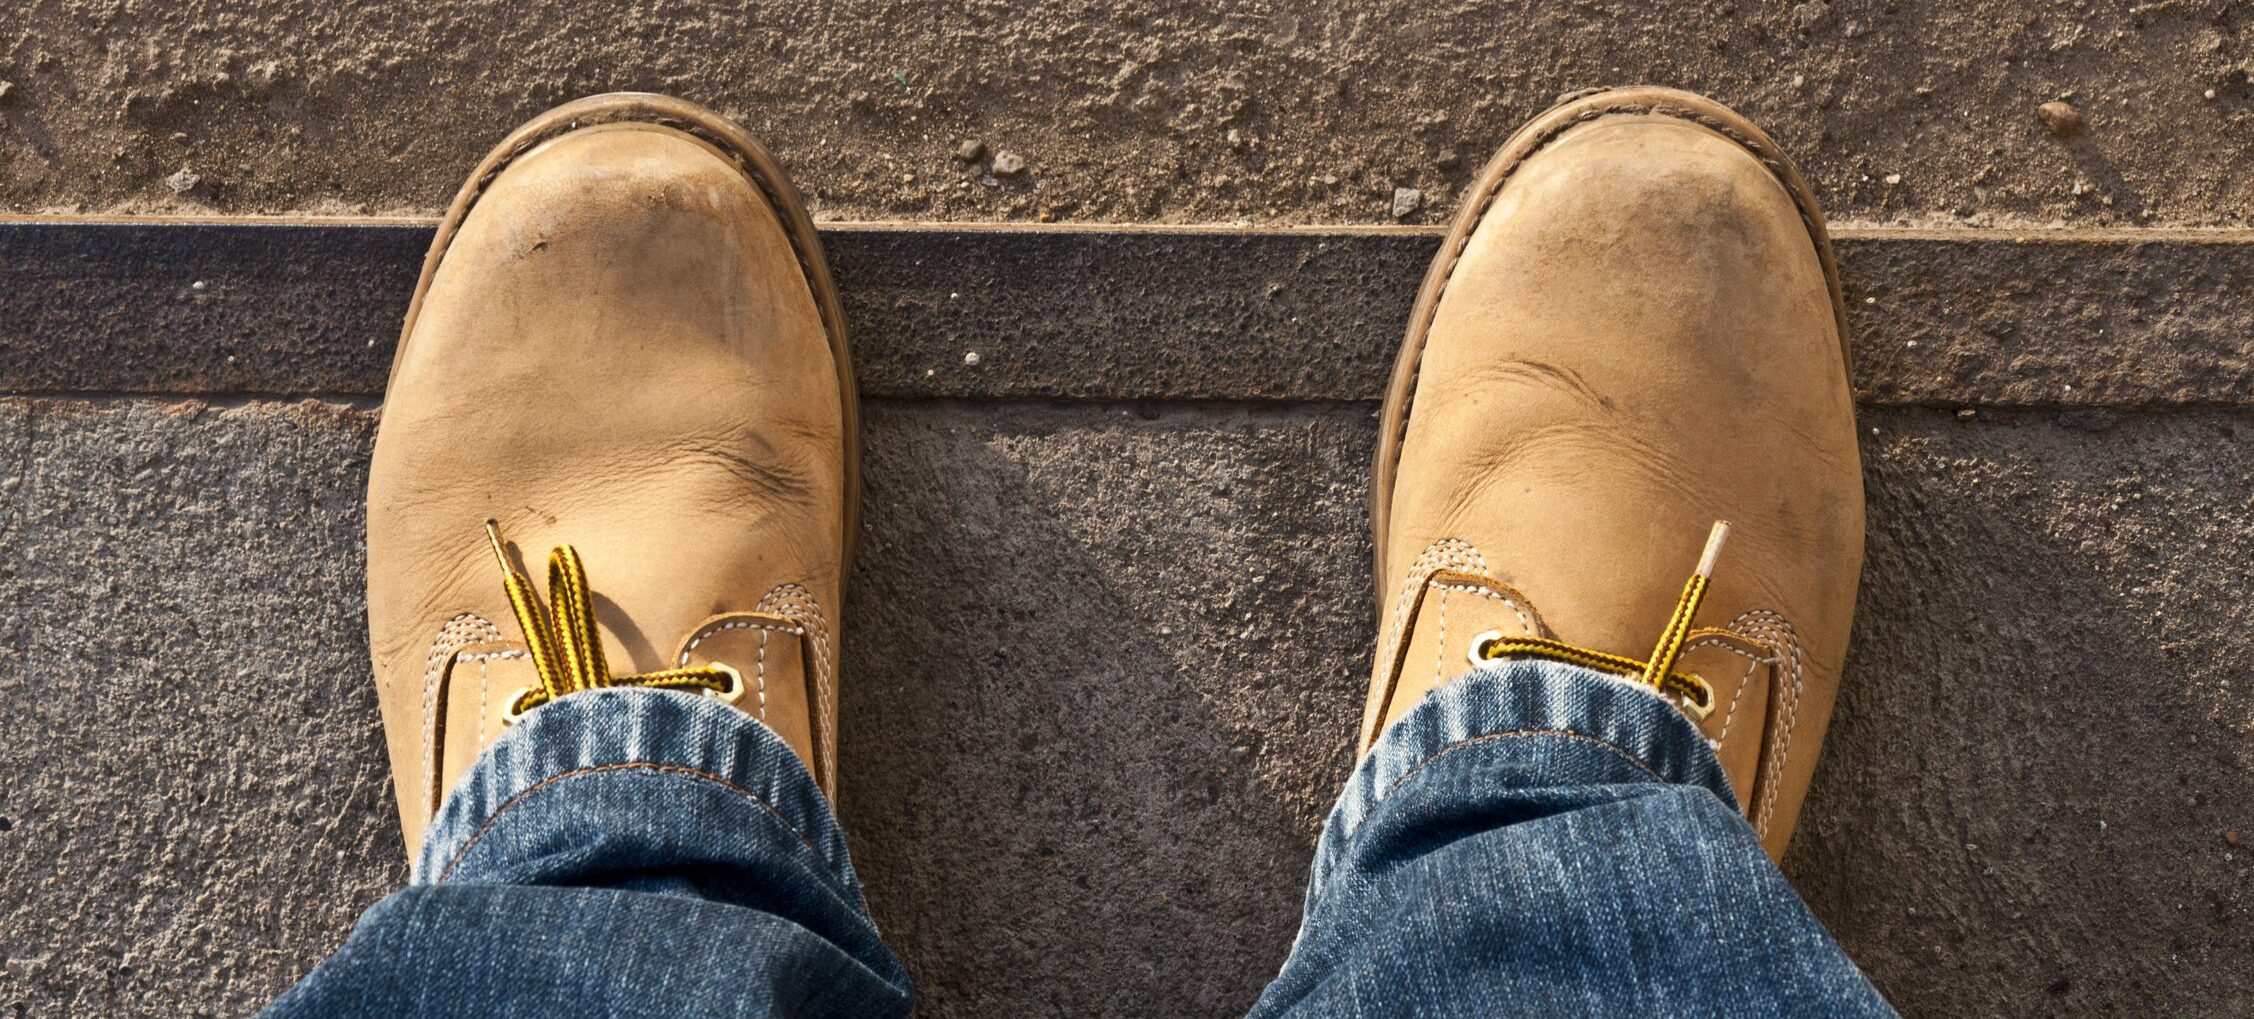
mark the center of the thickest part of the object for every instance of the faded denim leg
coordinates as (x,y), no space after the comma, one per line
(1541,839)
(622,852)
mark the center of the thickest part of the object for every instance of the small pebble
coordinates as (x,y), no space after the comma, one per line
(1406,201)
(8,92)
(184,181)
(971,358)
(2231,836)
(970,151)
(1008,164)
(1812,15)
(199,286)
(1967,415)
(1893,179)
(1448,159)
(2059,118)
(2209,94)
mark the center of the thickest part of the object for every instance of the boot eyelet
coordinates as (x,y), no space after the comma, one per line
(735,687)
(1479,645)
(509,713)
(1700,705)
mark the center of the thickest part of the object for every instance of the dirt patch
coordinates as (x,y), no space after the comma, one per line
(1920,111)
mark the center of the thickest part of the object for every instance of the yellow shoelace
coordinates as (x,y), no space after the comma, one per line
(566,651)
(1658,671)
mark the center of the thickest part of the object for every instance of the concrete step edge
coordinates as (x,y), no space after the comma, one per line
(298,305)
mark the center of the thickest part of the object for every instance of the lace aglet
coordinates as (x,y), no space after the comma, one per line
(1663,657)
(539,641)
(493,535)
(1714,540)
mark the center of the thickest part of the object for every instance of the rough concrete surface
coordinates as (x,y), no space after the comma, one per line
(1916,110)
(1105,646)
(1103,664)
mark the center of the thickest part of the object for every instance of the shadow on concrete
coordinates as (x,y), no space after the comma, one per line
(1081,778)
(2043,734)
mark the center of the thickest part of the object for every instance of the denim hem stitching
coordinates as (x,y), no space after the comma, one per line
(675,769)
(1622,752)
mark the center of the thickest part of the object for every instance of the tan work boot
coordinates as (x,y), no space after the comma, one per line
(1632,331)
(625,341)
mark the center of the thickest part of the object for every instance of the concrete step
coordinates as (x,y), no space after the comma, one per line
(2125,318)
(1110,624)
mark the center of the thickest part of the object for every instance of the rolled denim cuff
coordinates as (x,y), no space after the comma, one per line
(695,745)
(1561,705)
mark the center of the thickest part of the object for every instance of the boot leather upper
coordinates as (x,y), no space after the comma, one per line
(1637,340)
(618,350)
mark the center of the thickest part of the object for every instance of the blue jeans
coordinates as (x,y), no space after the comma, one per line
(1533,839)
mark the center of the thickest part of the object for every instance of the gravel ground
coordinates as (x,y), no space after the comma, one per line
(1921,111)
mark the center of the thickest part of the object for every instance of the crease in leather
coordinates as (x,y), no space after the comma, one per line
(1454,253)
